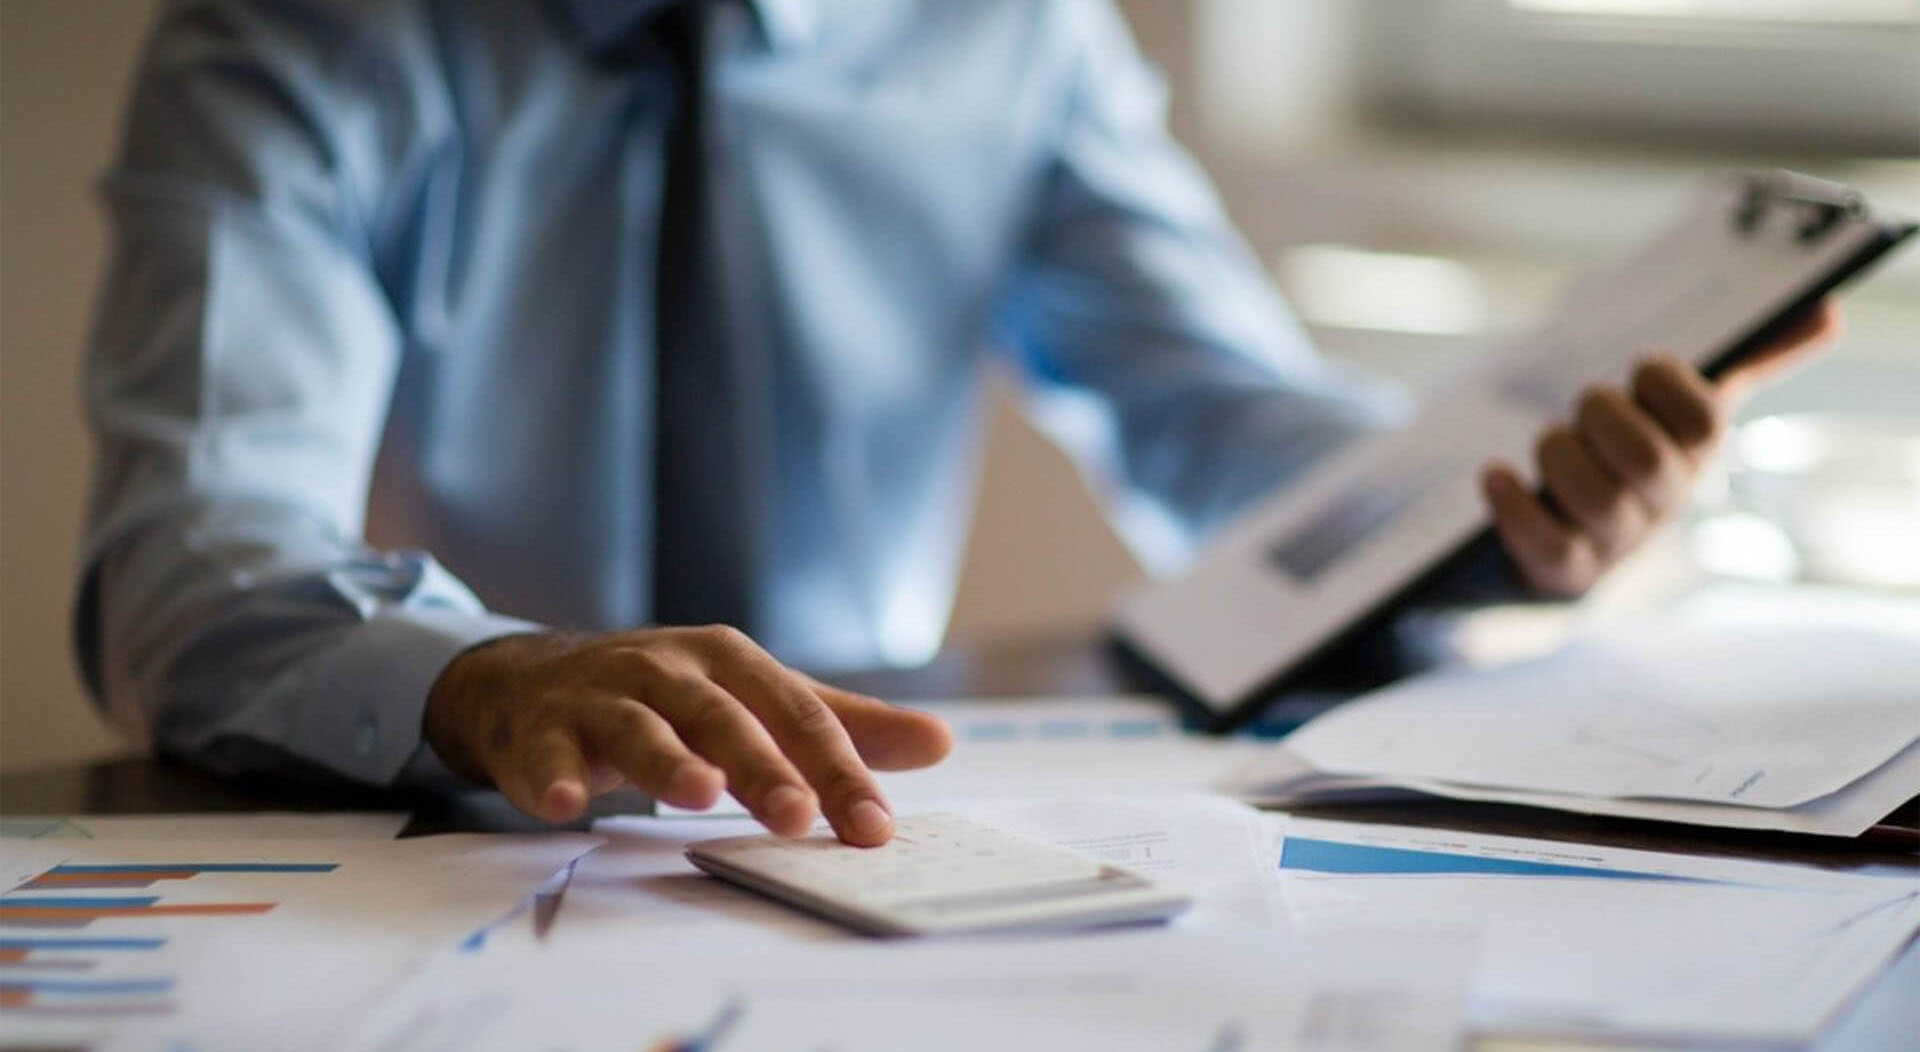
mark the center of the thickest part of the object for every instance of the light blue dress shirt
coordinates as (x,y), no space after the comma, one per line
(371,372)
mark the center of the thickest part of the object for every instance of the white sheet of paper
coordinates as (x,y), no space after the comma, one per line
(268,825)
(1031,748)
(216,959)
(1112,991)
(1281,779)
(1216,848)
(640,886)
(1067,747)
(1768,717)
(1607,942)
(646,951)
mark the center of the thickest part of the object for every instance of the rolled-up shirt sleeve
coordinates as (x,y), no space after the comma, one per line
(237,383)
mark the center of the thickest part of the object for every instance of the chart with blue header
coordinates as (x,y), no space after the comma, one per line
(1317,848)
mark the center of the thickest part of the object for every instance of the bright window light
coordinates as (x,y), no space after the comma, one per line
(1339,286)
(1870,11)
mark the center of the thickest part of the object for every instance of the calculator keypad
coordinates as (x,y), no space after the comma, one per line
(930,857)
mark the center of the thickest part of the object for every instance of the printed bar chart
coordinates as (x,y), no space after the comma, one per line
(86,877)
(60,976)
(45,912)
(57,944)
(65,954)
(84,997)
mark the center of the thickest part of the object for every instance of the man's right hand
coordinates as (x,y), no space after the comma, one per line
(680,713)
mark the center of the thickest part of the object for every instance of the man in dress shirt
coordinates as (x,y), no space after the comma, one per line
(625,313)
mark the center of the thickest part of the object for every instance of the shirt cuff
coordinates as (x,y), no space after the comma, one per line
(381,674)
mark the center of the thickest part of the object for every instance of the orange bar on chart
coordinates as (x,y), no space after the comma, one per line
(125,878)
(66,916)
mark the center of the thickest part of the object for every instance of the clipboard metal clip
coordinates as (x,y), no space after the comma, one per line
(1821,210)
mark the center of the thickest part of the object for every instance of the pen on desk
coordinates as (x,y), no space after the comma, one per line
(547,900)
(543,904)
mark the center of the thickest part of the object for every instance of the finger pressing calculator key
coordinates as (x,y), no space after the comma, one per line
(939,874)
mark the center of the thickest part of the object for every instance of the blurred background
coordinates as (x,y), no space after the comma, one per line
(1422,176)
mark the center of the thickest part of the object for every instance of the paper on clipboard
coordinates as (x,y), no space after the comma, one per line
(1294,574)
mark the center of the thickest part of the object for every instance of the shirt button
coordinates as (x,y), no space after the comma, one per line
(367,735)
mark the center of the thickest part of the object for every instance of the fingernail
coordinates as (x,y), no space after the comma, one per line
(787,805)
(869,819)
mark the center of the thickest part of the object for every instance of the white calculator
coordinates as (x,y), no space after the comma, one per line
(940,874)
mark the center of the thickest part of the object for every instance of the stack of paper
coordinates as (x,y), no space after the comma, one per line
(1810,730)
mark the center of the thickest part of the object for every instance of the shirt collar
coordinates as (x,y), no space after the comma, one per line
(787,23)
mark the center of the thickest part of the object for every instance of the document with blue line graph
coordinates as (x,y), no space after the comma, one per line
(1593,942)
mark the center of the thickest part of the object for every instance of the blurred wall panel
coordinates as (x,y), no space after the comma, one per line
(64,66)
(1042,560)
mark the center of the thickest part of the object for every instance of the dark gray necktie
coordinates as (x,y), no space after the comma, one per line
(705,560)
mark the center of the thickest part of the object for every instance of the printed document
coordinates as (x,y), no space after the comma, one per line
(646,952)
(243,944)
(1598,942)
(1756,717)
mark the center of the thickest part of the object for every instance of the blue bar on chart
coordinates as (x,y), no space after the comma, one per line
(35,950)
(1333,856)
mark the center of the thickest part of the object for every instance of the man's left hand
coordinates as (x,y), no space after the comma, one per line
(1628,459)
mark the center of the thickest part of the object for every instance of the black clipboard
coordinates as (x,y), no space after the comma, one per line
(1147,631)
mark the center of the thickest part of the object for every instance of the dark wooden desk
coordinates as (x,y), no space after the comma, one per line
(1886,1018)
